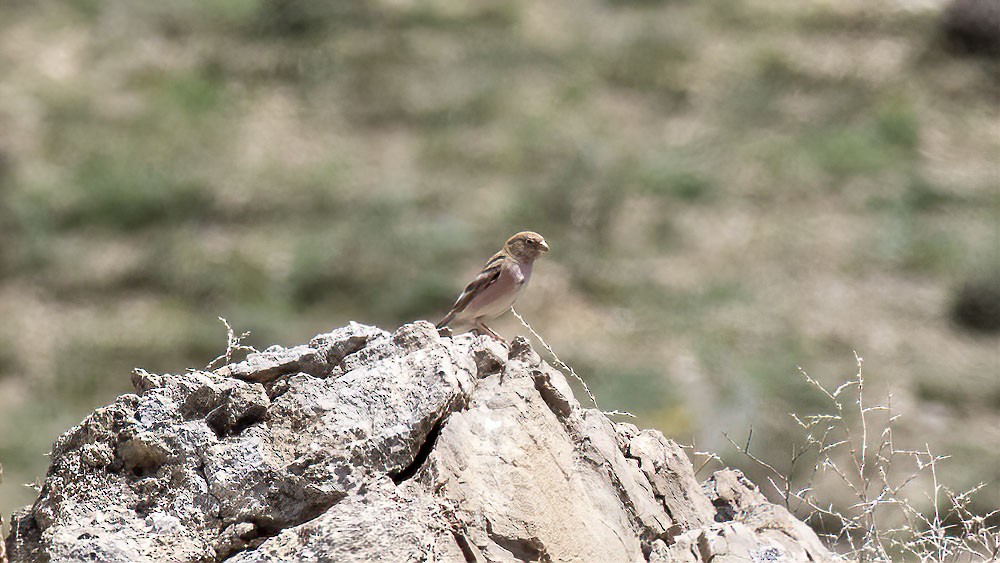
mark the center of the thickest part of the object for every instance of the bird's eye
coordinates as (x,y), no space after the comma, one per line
(531,242)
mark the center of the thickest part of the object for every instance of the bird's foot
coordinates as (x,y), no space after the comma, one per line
(483,329)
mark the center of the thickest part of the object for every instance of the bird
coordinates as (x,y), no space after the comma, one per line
(493,291)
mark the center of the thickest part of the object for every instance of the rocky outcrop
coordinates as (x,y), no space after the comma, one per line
(371,446)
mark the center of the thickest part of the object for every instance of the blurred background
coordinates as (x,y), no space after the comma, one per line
(731,189)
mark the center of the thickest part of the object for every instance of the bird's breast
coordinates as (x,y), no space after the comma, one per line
(521,273)
(495,299)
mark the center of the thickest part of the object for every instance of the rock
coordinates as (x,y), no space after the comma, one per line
(976,305)
(972,27)
(490,356)
(515,480)
(669,473)
(335,346)
(268,365)
(366,445)
(379,522)
(773,528)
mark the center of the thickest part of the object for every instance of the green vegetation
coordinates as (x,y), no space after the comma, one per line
(731,190)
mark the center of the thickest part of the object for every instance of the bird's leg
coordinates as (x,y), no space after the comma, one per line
(483,329)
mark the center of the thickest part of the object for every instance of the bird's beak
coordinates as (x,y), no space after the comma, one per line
(544,246)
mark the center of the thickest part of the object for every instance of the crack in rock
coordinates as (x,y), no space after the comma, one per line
(422,454)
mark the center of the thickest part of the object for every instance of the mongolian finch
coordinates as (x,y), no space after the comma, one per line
(497,286)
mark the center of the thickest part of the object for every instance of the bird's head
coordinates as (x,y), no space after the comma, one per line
(526,246)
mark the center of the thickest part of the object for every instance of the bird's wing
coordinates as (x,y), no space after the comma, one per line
(489,274)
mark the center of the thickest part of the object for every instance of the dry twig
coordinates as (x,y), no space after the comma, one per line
(233,344)
(867,464)
(566,367)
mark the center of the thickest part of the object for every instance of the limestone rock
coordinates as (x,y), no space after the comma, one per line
(366,445)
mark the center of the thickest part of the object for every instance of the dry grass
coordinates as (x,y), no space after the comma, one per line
(898,507)
(234,344)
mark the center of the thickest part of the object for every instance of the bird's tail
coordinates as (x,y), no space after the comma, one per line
(447,319)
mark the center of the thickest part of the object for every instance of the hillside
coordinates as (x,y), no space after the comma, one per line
(732,189)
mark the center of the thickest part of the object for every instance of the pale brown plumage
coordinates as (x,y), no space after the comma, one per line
(496,287)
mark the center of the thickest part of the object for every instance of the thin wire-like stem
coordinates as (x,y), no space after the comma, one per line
(566,368)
